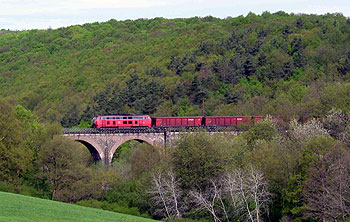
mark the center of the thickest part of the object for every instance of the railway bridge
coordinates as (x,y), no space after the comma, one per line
(103,143)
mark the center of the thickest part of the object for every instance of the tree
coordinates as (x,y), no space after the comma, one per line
(299,23)
(199,90)
(249,66)
(326,191)
(176,65)
(143,95)
(240,194)
(263,130)
(166,194)
(109,101)
(344,64)
(211,199)
(198,157)
(143,158)
(297,53)
(337,124)
(306,131)
(248,192)
(16,150)
(308,153)
(62,163)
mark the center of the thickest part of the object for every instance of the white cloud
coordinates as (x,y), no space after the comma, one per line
(321,9)
(116,3)
(25,7)
(25,14)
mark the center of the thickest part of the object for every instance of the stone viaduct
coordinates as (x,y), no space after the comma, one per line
(103,145)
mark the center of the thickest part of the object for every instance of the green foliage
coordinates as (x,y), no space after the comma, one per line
(115,207)
(6,187)
(199,157)
(310,154)
(15,153)
(261,131)
(139,66)
(63,165)
(293,205)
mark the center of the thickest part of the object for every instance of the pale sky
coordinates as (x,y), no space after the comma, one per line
(43,14)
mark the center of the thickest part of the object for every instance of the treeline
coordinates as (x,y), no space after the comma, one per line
(278,64)
(275,171)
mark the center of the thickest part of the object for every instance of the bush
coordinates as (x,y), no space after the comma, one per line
(115,207)
(6,187)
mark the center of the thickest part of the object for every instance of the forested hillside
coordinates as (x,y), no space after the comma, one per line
(280,64)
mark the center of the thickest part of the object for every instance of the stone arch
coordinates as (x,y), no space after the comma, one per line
(94,149)
(129,138)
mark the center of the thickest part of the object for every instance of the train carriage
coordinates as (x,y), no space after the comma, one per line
(230,120)
(177,121)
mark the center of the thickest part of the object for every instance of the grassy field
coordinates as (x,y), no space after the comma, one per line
(14,207)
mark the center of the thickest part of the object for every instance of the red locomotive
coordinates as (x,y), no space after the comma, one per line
(113,121)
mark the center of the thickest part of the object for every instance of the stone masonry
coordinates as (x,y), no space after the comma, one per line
(103,146)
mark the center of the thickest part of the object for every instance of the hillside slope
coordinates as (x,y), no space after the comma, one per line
(14,207)
(280,64)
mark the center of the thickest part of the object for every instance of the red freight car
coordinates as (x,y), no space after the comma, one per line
(177,121)
(107,121)
(226,120)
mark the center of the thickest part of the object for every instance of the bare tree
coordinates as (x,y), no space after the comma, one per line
(235,186)
(166,193)
(244,189)
(248,192)
(210,199)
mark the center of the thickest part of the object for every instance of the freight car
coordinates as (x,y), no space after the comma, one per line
(212,121)
(177,121)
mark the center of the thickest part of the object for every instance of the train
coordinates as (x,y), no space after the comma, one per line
(131,120)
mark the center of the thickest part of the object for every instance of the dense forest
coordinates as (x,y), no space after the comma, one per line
(277,64)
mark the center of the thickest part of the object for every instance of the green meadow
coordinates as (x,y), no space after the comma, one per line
(14,207)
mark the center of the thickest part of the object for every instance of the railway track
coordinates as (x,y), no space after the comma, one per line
(148,130)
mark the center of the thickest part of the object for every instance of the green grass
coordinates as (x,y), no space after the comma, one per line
(14,207)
